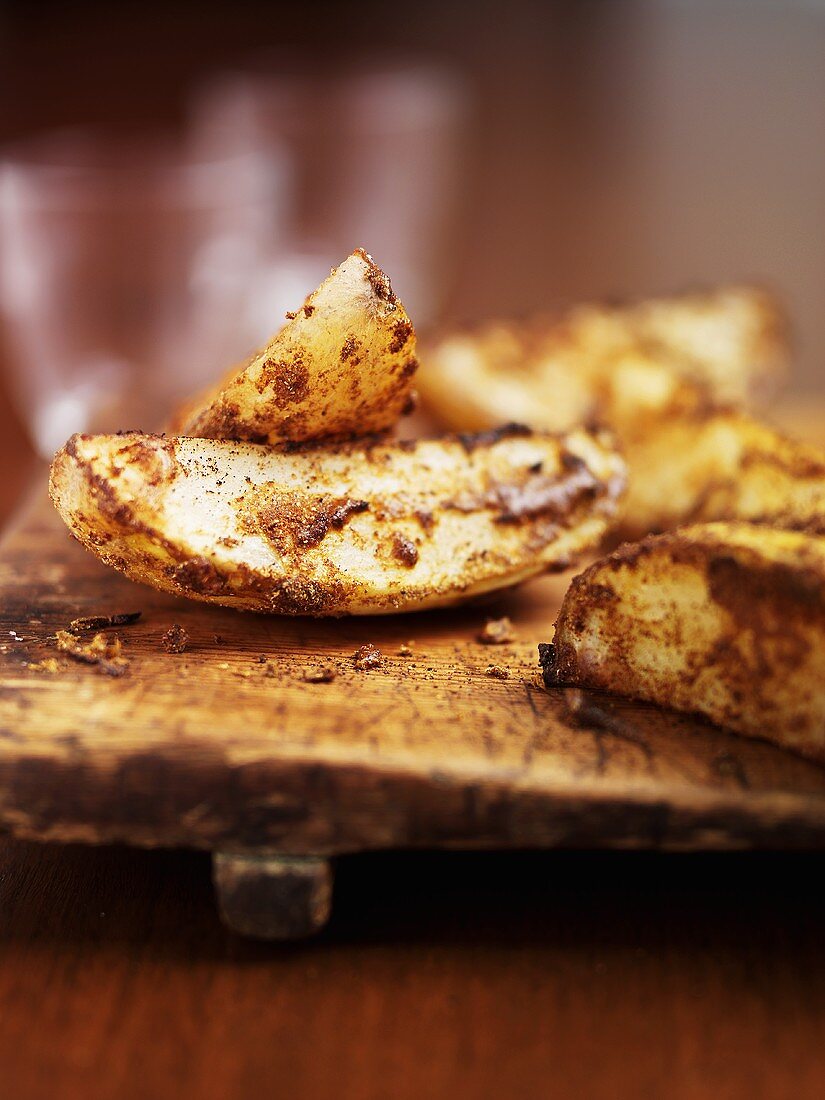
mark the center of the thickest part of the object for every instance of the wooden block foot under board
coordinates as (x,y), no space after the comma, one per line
(273,897)
(258,737)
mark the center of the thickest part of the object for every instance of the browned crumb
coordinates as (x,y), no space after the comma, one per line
(219,639)
(496,632)
(497,672)
(349,347)
(104,652)
(405,650)
(366,657)
(290,316)
(324,675)
(262,658)
(403,550)
(101,622)
(175,640)
(48,664)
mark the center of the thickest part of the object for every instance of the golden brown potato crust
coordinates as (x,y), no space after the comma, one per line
(660,374)
(727,620)
(355,529)
(341,366)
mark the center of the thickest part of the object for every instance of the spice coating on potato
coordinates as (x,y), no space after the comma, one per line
(724,619)
(341,366)
(720,464)
(317,531)
(659,373)
(612,364)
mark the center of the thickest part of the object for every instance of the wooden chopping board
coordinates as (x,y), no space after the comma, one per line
(226,747)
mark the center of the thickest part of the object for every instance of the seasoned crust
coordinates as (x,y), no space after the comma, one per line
(664,375)
(342,366)
(352,529)
(725,619)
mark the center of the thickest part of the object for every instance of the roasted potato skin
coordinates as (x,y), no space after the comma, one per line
(365,528)
(725,619)
(341,366)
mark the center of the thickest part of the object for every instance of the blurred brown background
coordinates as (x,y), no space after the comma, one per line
(612,148)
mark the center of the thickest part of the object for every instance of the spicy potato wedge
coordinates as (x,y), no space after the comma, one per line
(726,620)
(556,373)
(341,366)
(688,457)
(354,529)
(718,464)
(731,340)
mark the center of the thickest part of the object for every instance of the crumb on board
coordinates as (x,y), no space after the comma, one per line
(175,640)
(323,675)
(406,650)
(497,632)
(102,622)
(367,657)
(497,672)
(105,652)
(219,639)
(48,664)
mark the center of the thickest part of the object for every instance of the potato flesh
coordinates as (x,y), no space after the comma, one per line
(723,619)
(341,366)
(346,530)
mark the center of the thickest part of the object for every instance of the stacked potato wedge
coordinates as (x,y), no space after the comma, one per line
(341,366)
(280,495)
(349,530)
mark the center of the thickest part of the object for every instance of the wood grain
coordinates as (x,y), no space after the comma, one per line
(227,747)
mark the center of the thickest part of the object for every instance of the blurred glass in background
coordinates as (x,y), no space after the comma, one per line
(375,156)
(124,274)
(134,272)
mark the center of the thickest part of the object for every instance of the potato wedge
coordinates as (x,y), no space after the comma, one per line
(688,457)
(555,374)
(718,464)
(727,620)
(732,340)
(341,366)
(357,529)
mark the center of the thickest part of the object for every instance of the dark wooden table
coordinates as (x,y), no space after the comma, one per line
(535,975)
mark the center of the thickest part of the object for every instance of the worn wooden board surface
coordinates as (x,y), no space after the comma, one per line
(225,746)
